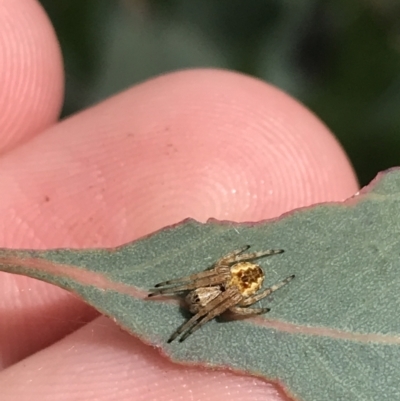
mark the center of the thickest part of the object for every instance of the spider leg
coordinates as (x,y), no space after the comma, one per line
(255,298)
(237,257)
(236,252)
(204,282)
(192,277)
(248,311)
(212,309)
(203,311)
(207,273)
(211,315)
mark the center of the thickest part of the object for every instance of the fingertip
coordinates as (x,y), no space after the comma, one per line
(31,72)
(228,146)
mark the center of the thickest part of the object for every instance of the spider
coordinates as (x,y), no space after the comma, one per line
(231,284)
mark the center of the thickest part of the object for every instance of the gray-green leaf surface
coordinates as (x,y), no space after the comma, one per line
(333,333)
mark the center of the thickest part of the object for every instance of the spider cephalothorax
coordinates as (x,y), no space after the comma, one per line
(232,284)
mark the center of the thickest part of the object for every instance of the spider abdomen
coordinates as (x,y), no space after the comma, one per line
(247,277)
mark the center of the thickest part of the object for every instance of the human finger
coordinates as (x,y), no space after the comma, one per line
(200,143)
(31,72)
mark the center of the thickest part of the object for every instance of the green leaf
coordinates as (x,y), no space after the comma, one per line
(333,333)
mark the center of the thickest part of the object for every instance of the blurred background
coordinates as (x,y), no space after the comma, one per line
(341,58)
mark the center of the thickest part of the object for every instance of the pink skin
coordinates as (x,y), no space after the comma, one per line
(196,143)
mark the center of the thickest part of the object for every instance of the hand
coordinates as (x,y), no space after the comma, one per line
(191,144)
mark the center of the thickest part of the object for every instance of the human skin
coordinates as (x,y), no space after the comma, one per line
(200,143)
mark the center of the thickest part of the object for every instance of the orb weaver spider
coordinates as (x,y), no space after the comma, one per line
(232,284)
